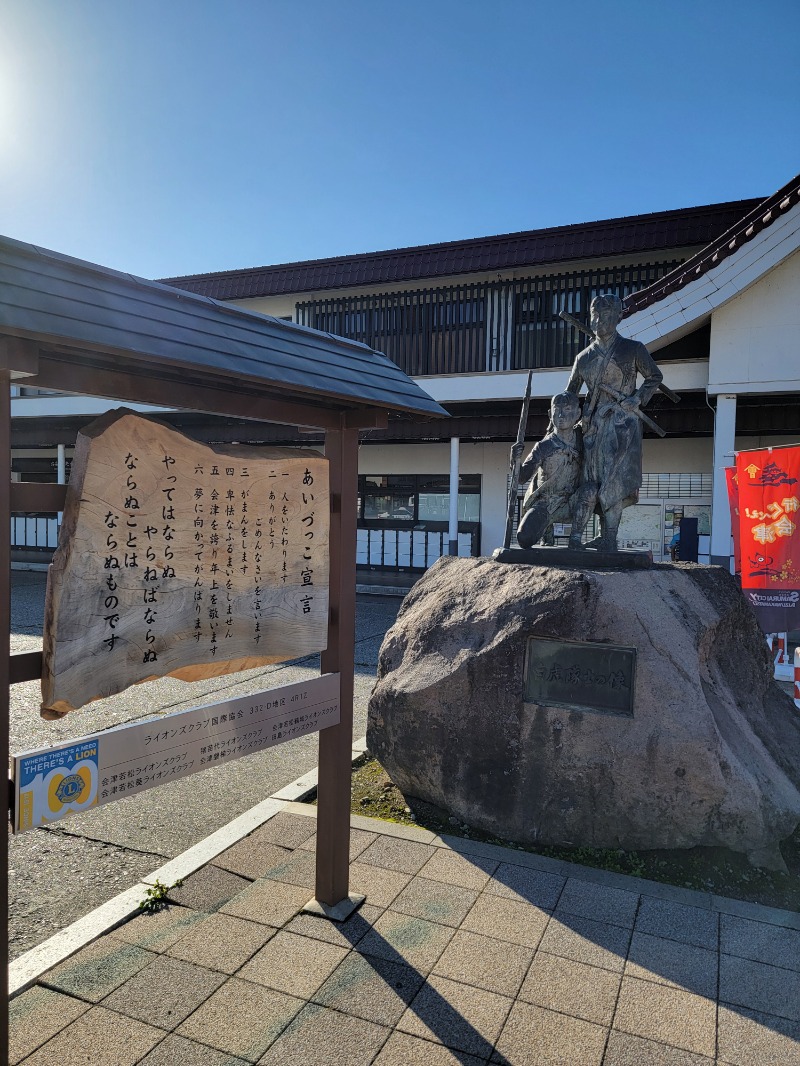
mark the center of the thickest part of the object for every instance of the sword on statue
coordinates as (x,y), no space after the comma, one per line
(516,462)
(576,322)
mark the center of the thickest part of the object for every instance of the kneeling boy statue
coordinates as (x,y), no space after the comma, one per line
(552,469)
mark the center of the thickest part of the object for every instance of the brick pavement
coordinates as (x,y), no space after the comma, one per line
(463,953)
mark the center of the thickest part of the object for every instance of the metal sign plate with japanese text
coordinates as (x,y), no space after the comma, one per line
(51,783)
(580,675)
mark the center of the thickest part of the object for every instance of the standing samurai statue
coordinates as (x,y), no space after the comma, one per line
(611,474)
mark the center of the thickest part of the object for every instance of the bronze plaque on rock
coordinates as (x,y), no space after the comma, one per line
(580,675)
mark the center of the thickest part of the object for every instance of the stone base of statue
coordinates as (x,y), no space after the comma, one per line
(588,558)
(610,708)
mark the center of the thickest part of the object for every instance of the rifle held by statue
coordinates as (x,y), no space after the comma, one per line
(513,479)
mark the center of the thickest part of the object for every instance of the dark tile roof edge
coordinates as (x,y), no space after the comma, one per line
(757,219)
(414,400)
(375,267)
(180,294)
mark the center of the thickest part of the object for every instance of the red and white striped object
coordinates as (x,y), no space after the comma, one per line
(781,649)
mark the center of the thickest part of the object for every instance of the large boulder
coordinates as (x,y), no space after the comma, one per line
(710,755)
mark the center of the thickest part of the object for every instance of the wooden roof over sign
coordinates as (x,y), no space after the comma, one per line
(99,331)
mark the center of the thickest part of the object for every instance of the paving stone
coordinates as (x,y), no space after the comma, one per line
(322,1037)
(370,987)
(756,912)
(459,1016)
(626,1050)
(435,901)
(251,858)
(595,943)
(526,886)
(98,969)
(288,830)
(300,868)
(294,964)
(345,934)
(222,942)
(391,853)
(160,930)
(598,902)
(359,841)
(673,921)
(100,1036)
(414,833)
(759,987)
(241,1018)
(267,902)
(558,1040)
(400,938)
(454,869)
(752,1038)
(667,1015)
(208,889)
(378,885)
(404,1050)
(505,919)
(35,1016)
(165,992)
(177,1051)
(769,944)
(652,958)
(484,962)
(571,988)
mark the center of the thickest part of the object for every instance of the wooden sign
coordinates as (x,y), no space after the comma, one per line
(51,783)
(177,558)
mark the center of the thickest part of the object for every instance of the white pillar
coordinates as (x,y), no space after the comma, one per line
(724,437)
(453,527)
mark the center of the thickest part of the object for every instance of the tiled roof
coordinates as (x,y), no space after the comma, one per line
(757,218)
(585,240)
(131,325)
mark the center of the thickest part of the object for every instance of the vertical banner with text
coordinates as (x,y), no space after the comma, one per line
(769,517)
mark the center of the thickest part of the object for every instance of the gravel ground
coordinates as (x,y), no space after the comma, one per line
(59,874)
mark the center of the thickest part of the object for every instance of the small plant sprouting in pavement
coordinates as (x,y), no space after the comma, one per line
(155,898)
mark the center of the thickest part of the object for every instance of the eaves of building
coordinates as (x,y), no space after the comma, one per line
(632,235)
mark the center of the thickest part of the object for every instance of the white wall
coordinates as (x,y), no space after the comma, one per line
(755,337)
(680,455)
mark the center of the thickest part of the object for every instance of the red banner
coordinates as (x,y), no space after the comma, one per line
(769,530)
(733,501)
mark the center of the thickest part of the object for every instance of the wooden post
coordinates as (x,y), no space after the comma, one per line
(5,652)
(336,742)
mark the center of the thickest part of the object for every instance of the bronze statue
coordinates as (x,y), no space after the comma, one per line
(611,474)
(552,469)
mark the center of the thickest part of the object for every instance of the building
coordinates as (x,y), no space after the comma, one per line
(467,319)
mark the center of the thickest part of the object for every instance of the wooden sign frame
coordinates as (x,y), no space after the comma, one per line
(71,326)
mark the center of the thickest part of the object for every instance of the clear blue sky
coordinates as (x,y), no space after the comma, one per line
(179,136)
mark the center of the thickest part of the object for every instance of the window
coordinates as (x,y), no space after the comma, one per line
(675,486)
(388,497)
(417,498)
(434,498)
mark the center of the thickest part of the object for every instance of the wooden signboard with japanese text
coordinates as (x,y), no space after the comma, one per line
(178,558)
